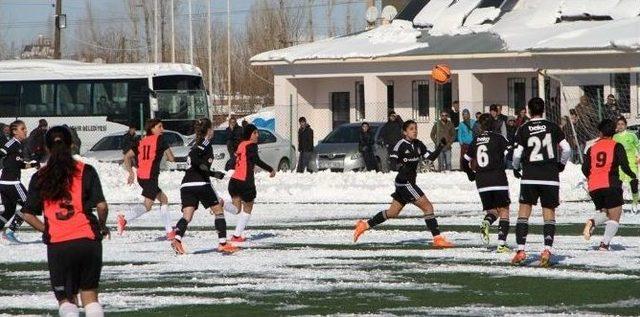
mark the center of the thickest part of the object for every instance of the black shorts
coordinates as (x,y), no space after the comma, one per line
(150,188)
(549,195)
(607,198)
(204,194)
(246,192)
(492,199)
(10,196)
(407,193)
(73,266)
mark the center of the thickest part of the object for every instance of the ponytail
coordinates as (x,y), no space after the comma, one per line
(201,128)
(54,179)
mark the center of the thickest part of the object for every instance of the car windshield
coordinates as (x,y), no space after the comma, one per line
(346,134)
(109,143)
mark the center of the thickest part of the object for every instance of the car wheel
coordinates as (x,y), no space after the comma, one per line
(284,165)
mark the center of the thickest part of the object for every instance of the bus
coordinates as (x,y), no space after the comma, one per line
(101,99)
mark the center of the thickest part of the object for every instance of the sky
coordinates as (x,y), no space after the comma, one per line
(21,21)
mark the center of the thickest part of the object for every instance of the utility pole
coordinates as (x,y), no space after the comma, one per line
(229,55)
(190,36)
(57,52)
(173,36)
(310,21)
(155,31)
(209,47)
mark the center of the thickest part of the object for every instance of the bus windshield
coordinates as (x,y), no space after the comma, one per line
(181,104)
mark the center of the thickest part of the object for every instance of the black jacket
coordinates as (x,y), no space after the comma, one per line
(366,141)
(305,139)
(391,132)
(234,137)
(128,141)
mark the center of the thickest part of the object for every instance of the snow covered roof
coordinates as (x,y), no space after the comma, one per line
(485,26)
(71,70)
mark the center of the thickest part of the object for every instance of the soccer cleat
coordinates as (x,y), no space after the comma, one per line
(589,227)
(171,235)
(603,247)
(235,238)
(10,236)
(503,249)
(122,224)
(634,209)
(176,245)
(519,258)
(440,242)
(227,248)
(545,258)
(484,230)
(361,227)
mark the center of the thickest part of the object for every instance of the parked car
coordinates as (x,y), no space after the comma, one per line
(109,149)
(339,150)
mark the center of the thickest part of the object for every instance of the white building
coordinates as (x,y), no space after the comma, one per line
(500,51)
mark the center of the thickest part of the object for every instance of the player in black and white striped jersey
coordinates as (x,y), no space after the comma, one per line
(485,164)
(12,192)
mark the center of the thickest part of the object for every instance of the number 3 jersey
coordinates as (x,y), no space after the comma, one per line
(487,156)
(537,149)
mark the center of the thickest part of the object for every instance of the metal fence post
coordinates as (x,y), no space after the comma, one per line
(291,128)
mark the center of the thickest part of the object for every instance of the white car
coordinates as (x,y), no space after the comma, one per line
(109,149)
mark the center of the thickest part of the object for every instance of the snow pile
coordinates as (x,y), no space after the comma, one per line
(452,18)
(431,11)
(576,8)
(625,9)
(481,15)
(394,38)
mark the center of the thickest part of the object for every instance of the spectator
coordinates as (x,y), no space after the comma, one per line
(234,136)
(465,134)
(103,105)
(366,147)
(305,145)
(502,117)
(6,133)
(444,128)
(522,117)
(36,141)
(611,110)
(454,113)
(129,139)
(476,125)
(244,123)
(75,140)
(511,129)
(586,125)
(499,125)
(391,132)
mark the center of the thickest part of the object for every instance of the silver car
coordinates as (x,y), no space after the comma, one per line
(339,152)
(109,149)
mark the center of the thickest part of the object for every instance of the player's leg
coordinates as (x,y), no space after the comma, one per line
(164,211)
(522,230)
(9,206)
(181,227)
(489,218)
(634,193)
(363,225)
(600,216)
(613,204)
(503,228)
(21,195)
(243,220)
(149,191)
(92,307)
(432,223)
(550,200)
(89,279)
(221,228)
(59,261)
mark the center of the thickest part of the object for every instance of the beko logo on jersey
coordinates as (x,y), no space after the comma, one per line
(483,139)
(537,128)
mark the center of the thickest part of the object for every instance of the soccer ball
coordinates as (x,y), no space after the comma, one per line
(441,74)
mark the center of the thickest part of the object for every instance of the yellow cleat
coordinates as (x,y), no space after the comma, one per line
(545,258)
(503,249)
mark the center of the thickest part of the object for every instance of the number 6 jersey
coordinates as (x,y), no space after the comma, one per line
(537,149)
(487,156)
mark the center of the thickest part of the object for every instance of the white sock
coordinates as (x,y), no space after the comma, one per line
(600,218)
(166,217)
(227,204)
(67,309)
(610,231)
(93,310)
(135,212)
(243,220)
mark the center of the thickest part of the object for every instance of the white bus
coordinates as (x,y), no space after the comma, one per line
(101,99)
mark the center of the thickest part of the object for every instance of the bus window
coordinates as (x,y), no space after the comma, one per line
(37,99)
(74,99)
(9,100)
(111,98)
(177,83)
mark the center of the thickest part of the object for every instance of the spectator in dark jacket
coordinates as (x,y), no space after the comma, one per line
(305,145)
(454,113)
(499,125)
(611,108)
(129,139)
(476,125)
(234,137)
(36,141)
(366,147)
(75,139)
(391,132)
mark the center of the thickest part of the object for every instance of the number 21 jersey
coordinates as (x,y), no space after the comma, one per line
(540,140)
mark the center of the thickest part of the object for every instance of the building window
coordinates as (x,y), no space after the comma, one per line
(420,99)
(360,108)
(535,90)
(390,96)
(517,88)
(595,94)
(443,97)
(622,85)
(38,99)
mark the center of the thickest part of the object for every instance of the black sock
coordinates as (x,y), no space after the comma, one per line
(522,230)
(549,230)
(221,227)
(491,218)
(503,229)
(181,227)
(634,186)
(432,224)
(16,223)
(377,219)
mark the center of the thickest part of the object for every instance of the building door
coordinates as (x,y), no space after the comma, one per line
(340,108)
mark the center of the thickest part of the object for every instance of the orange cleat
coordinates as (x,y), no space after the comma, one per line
(122,224)
(227,248)
(545,258)
(235,238)
(441,242)
(519,258)
(171,235)
(361,227)
(176,245)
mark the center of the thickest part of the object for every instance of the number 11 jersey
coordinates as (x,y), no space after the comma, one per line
(539,140)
